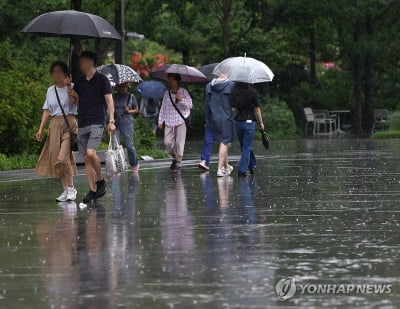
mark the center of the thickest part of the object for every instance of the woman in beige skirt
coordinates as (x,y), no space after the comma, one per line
(56,159)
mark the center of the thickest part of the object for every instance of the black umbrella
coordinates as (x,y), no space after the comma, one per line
(208,69)
(265,139)
(71,24)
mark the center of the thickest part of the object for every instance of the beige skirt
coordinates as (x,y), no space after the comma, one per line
(56,159)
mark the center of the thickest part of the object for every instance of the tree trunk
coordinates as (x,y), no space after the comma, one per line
(119,22)
(101,47)
(367,119)
(264,15)
(357,91)
(185,55)
(313,57)
(226,10)
(76,45)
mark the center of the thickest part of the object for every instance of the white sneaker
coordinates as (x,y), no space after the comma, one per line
(62,197)
(222,173)
(229,170)
(71,194)
(202,165)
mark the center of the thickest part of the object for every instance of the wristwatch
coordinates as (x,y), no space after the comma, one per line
(111,121)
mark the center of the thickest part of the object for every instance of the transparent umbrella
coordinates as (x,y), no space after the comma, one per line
(245,70)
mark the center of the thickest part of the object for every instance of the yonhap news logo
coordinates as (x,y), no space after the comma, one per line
(286,288)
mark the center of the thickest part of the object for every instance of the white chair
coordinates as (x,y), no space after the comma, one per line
(318,120)
(381,119)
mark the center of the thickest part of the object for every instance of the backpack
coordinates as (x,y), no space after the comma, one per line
(151,107)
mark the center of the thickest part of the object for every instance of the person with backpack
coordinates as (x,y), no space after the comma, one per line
(125,107)
(149,108)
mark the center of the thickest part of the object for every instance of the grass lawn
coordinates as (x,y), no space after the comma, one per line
(386,134)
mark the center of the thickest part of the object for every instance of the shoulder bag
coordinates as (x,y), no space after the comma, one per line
(73,137)
(187,120)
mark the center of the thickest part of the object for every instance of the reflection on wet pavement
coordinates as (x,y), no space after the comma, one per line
(320,211)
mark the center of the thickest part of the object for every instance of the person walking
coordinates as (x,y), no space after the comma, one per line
(56,158)
(206,150)
(149,109)
(175,99)
(220,125)
(247,109)
(95,99)
(125,107)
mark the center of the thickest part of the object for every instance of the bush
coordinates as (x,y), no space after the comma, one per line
(386,134)
(395,121)
(278,119)
(144,137)
(23,90)
(18,161)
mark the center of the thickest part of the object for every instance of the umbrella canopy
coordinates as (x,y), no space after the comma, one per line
(151,89)
(189,75)
(244,70)
(208,69)
(71,24)
(119,74)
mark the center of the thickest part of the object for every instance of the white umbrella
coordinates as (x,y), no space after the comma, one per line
(244,70)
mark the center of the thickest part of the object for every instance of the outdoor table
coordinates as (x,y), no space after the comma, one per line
(338,113)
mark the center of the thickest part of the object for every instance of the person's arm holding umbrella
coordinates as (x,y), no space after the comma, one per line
(132,107)
(184,99)
(72,94)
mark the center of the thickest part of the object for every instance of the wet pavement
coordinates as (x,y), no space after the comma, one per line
(323,212)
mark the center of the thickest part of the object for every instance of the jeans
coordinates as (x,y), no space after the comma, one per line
(245,132)
(207,146)
(126,131)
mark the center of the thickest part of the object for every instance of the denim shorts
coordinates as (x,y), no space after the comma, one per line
(89,137)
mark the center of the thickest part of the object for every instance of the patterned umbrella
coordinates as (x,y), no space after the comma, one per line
(189,75)
(119,74)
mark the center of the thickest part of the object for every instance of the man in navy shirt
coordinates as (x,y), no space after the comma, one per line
(95,99)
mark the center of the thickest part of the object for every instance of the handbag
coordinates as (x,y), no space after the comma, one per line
(73,137)
(265,139)
(187,120)
(115,157)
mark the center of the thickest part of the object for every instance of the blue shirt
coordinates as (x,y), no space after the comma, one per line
(121,101)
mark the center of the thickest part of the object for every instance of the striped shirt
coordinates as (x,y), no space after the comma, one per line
(169,115)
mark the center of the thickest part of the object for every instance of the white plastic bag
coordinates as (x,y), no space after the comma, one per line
(115,157)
